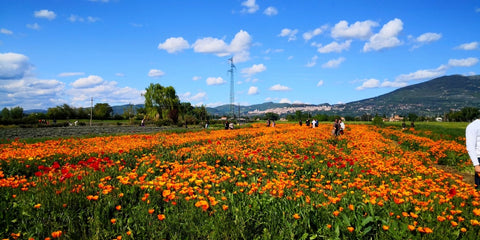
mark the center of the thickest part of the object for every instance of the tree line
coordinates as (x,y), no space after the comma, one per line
(163,107)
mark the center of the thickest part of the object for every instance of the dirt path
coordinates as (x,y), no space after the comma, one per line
(467,177)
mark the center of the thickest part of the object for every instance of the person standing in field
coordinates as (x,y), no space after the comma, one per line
(472,135)
(342,127)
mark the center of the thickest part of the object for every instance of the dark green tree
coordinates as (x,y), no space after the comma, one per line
(412,117)
(6,114)
(16,113)
(102,111)
(272,116)
(162,100)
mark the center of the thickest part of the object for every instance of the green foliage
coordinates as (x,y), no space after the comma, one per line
(378,121)
(272,116)
(162,100)
(102,111)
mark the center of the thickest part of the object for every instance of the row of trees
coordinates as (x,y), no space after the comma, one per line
(162,106)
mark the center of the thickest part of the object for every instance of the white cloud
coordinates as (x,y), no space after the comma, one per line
(155,73)
(369,83)
(196,78)
(285,100)
(92,19)
(215,81)
(6,31)
(88,82)
(290,33)
(120,74)
(105,92)
(428,37)
(310,34)
(312,61)
(270,11)
(279,87)
(320,83)
(394,84)
(14,66)
(333,63)
(361,30)
(173,45)
(238,47)
(34,26)
(211,45)
(423,74)
(334,47)
(187,97)
(30,93)
(468,46)
(70,74)
(250,6)
(75,18)
(386,38)
(253,90)
(466,62)
(254,69)
(50,15)
(20,88)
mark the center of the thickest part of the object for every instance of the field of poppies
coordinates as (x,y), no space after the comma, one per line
(286,182)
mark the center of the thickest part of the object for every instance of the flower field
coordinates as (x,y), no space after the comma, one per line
(287,182)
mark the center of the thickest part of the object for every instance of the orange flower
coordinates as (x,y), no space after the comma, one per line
(411,227)
(202,204)
(329,226)
(463,229)
(150,211)
(335,213)
(161,217)
(224,207)
(385,227)
(350,229)
(351,207)
(113,220)
(37,206)
(129,232)
(454,224)
(441,218)
(428,230)
(56,234)
(476,211)
(118,207)
(296,216)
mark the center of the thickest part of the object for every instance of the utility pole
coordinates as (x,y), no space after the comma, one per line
(91,111)
(232,92)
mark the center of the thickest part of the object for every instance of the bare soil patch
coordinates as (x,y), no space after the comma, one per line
(468,177)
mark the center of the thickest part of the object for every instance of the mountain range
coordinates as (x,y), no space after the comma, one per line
(430,98)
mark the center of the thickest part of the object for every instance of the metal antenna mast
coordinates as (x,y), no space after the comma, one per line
(232,92)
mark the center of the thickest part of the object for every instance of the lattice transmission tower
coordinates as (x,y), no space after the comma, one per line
(232,90)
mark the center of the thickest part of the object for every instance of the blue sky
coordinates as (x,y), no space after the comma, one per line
(310,51)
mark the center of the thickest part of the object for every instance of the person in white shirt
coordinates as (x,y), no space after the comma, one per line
(342,127)
(472,135)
